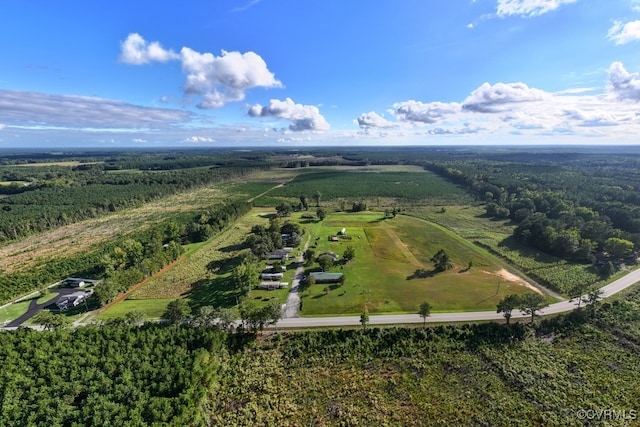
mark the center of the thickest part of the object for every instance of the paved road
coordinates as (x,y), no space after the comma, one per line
(560,307)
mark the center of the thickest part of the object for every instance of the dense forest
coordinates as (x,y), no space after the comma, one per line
(563,371)
(580,207)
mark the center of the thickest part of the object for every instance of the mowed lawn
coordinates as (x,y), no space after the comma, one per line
(392,272)
(153,309)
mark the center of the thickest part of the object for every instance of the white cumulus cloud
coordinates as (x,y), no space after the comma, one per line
(138,140)
(198,139)
(217,80)
(373,120)
(302,117)
(621,33)
(622,84)
(135,50)
(529,8)
(418,112)
(222,79)
(496,98)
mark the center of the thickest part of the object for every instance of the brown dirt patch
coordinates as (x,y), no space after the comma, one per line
(510,277)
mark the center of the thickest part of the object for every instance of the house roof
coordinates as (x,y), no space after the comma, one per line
(326,277)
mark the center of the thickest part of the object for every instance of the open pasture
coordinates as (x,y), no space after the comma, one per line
(392,271)
(470,222)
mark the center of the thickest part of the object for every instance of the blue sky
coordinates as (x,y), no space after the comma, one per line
(285,72)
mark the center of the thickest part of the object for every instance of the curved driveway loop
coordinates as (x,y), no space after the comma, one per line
(34,307)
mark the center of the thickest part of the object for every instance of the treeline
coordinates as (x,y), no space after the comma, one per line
(118,375)
(586,210)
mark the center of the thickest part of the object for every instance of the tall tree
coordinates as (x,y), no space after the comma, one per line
(349,253)
(304,201)
(272,314)
(326,262)
(316,196)
(226,317)
(576,293)
(321,213)
(592,300)
(364,319)
(308,257)
(618,248)
(424,312)
(177,310)
(441,261)
(283,209)
(50,321)
(244,277)
(531,303)
(507,305)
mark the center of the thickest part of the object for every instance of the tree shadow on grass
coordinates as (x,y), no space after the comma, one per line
(421,273)
(218,292)
(233,248)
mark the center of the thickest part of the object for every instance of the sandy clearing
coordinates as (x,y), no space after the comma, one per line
(510,277)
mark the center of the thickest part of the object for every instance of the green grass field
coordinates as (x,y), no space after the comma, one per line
(496,235)
(152,309)
(371,184)
(13,311)
(392,272)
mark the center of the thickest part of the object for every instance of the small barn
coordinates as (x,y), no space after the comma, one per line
(342,232)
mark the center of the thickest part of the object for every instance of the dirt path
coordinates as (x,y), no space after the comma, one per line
(271,189)
(402,247)
(137,286)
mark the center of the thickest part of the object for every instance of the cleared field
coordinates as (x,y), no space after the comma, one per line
(88,235)
(392,271)
(496,236)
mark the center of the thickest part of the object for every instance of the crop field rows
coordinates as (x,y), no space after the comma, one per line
(351,185)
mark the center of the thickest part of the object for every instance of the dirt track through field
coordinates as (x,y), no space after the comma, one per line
(123,296)
(402,247)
